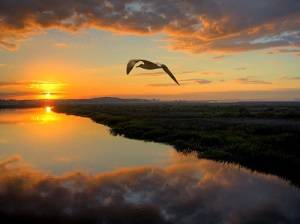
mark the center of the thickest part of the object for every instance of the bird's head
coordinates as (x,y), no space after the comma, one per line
(139,66)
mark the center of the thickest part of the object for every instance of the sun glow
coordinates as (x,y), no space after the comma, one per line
(45,116)
(48,96)
(47,89)
(48,109)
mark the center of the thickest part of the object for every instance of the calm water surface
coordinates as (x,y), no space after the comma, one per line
(60,143)
(68,161)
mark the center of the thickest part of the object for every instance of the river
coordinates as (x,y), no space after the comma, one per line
(43,154)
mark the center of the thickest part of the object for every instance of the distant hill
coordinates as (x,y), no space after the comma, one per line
(99,100)
(104,100)
(116,100)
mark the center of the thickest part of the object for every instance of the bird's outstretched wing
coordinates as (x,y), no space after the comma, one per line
(166,69)
(133,62)
(130,65)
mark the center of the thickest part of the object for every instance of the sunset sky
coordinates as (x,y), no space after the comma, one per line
(218,49)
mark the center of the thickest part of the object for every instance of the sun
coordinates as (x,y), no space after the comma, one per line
(49,90)
(48,109)
(48,95)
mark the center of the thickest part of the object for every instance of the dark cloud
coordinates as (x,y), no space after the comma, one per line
(289,50)
(150,73)
(164,84)
(211,73)
(26,94)
(198,81)
(4,84)
(183,82)
(219,57)
(291,77)
(240,68)
(33,83)
(252,81)
(188,72)
(285,51)
(193,25)
(183,193)
(15,93)
(203,81)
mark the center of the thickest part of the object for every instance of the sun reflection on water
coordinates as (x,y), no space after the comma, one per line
(48,109)
(46,115)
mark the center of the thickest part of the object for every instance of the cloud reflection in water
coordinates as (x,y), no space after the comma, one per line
(185,192)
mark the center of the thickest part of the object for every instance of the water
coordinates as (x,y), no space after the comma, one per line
(70,166)
(60,143)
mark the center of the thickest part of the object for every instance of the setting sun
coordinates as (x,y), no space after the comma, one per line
(48,95)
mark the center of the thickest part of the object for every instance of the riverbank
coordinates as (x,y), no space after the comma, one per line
(262,137)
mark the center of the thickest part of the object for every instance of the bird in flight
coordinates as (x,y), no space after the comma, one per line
(150,66)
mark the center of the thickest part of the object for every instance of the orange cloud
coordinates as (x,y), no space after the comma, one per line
(61,45)
(185,192)
(248,80)
(194,26)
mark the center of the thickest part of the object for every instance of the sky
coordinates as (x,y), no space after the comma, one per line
(217,49)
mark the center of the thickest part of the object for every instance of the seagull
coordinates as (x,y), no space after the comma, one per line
(150,66)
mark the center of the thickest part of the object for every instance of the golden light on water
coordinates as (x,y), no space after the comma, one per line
(44,116)
(48,109)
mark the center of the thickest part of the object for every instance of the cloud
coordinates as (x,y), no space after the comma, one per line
(295,51)
(211,73)
(12,89)
(164,84)
(9,160)
(291,77)
(29,83)
(289,50)
(3,65)
(188,72)
(198,81)
(61,45)
(193,25)
(182,193)
(15,93)
(240,68)
(4,84)
(150,73)
(183,82)
(219,57)
(252,81)
(203,81)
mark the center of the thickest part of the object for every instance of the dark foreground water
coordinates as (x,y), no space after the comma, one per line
(60,168)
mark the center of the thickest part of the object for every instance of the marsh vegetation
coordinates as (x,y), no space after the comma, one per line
(260,136)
